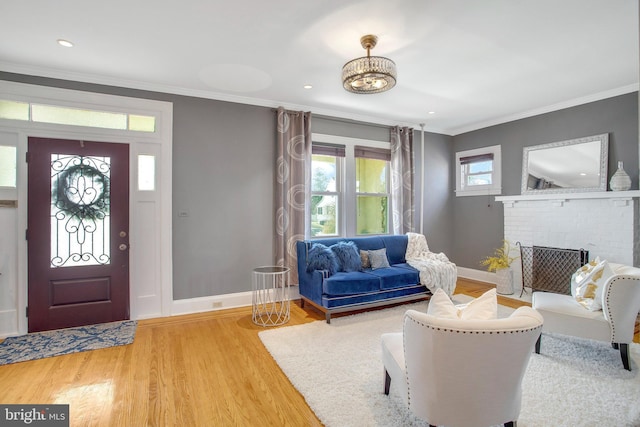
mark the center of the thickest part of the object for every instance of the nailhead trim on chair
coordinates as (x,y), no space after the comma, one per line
(613,327)
(457,331)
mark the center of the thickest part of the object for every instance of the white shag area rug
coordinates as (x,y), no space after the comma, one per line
(337,368)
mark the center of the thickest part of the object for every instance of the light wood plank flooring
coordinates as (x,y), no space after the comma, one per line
(196,370)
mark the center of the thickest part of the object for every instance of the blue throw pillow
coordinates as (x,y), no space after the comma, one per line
(348,256)
(321,257)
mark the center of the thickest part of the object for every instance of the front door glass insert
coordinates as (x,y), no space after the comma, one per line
(80,200)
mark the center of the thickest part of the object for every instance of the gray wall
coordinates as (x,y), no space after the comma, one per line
(478,220)
(223,177)
(437,217)
(223,157)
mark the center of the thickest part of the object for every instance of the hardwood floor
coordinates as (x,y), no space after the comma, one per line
(205,369)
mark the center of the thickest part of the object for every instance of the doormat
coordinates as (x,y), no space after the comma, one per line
(40,345)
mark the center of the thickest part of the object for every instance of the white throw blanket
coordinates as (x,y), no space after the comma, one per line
(436,271)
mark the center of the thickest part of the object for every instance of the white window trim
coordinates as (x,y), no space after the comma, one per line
(347,213)
(481,190)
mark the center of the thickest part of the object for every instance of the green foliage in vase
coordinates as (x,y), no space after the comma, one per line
(501,258)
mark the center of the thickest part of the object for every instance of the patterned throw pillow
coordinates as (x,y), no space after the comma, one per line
(587,283)
(364,259)
(485,307)
(378,258)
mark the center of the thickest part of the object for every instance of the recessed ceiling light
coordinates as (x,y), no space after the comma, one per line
(65,43)
(307,86)
(431,112)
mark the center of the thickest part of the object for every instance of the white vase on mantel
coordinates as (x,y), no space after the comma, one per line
(620,181)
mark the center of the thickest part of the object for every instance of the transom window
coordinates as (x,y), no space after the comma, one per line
(56,114)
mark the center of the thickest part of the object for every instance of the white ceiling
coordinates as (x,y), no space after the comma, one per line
(474,63)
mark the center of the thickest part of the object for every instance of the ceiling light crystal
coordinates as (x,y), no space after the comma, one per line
(369,74)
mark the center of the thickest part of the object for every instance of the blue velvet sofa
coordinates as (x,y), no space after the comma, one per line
(356,288)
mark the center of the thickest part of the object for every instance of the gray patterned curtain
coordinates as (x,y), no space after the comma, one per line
(402,171)
(293,175)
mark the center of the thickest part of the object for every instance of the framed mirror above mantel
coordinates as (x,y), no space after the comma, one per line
(571,166)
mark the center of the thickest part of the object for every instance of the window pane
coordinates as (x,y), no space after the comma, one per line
(481,179)
(323,216)
(323,173)
(480,167)
(78,117)
(14,110)
(142,123)
(80,210)
(146,172)
(372,215)
(7,166)
(371,175)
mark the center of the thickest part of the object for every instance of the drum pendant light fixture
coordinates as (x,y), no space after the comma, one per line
(369,74)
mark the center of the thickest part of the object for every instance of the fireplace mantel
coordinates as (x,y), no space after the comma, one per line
(558,199)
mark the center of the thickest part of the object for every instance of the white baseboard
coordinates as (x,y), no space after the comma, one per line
(219,302)
(479,275)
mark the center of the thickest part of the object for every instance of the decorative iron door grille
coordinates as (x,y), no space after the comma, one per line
(80,202)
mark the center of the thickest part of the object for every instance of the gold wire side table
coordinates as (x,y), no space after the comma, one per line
(270,301)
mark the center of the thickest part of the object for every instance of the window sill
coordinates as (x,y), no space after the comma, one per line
(483,192)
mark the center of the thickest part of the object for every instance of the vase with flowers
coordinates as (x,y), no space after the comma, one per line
(500,263)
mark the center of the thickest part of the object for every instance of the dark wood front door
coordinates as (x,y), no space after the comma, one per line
(78,233)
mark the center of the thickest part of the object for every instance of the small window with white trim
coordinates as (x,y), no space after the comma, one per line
(478,171)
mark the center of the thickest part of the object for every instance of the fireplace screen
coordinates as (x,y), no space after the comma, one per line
(550,269)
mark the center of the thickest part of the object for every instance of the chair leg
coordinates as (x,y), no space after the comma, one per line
(511,424)
(624,353)
(387,382)
(538,344)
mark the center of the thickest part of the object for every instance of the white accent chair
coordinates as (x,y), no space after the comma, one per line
(463,373)
(616,321)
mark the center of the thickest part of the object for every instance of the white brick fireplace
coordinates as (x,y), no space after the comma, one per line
(604,223)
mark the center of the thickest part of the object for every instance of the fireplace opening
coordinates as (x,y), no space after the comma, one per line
(550,269)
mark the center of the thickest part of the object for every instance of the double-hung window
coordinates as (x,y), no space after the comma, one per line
(326,186)
(372,190)
(478,172)
(350,187)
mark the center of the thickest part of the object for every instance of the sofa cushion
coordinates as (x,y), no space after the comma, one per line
(396,248)
(396,277)
(354,282)
(347,256)
(321,258)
